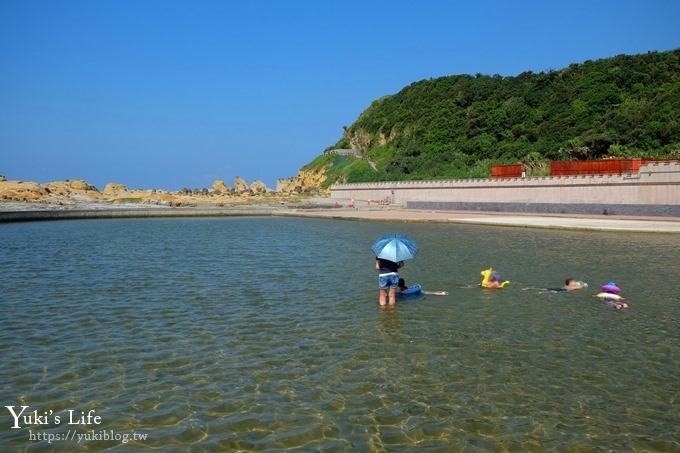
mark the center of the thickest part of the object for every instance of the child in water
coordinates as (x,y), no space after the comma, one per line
(610,296)
(492,279)
(402,287)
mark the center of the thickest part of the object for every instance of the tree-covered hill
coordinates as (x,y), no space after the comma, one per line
(457,126)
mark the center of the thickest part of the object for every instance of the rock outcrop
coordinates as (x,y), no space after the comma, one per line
(259,188)
(20,191)
(70,189)
(220,187)
(240,186)
(113,188)
(81,186)
(358,139)
(79,193)
(305,182)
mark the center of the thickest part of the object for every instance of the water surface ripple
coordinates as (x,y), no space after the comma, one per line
(251,334)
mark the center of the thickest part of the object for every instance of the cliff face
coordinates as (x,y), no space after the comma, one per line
(358,138)
(305,182)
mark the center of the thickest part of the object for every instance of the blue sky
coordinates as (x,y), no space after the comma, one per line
(171,94)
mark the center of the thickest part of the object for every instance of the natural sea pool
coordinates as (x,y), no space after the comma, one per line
(251,334)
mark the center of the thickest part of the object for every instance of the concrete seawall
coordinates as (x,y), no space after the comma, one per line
(653,191)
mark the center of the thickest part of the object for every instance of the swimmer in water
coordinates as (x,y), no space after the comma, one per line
(610,296)
(570,284)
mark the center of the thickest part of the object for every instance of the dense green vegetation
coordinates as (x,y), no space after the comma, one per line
(457,126)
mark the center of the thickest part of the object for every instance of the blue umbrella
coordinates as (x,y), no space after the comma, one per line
(395,247)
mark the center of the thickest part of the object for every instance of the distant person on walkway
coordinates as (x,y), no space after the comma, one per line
(388,280)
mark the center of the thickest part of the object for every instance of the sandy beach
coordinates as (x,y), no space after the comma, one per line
(321,207)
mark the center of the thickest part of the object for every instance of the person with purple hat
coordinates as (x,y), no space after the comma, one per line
(610,296)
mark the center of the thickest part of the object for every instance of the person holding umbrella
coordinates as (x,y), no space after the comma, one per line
(388,280)
(390,253)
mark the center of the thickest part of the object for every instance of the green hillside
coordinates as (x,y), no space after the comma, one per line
(457,126)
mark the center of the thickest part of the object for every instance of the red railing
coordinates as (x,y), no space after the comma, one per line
(507,171)
(595,167)
(581,167)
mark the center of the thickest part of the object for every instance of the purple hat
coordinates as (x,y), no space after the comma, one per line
(611,288)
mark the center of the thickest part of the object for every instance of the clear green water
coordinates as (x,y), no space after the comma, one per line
(251,334)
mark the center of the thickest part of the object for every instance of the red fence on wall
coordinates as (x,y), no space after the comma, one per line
(581,167)
(507,171)
(595,167)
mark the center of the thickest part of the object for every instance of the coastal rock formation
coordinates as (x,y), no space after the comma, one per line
(119,193)
(81,186)
(23,191)
(259,188)
(304,182)
(80,194)
(240,186)
(286,185)
(113,188)
(70,188)
(220,187)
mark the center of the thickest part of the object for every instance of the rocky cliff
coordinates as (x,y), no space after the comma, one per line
(306,182)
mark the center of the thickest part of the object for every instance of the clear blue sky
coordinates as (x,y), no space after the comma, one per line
(171,94)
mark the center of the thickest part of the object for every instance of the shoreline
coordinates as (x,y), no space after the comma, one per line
(321,208)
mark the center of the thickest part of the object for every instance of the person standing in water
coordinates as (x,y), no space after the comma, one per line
(388,280)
